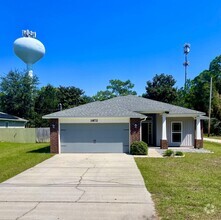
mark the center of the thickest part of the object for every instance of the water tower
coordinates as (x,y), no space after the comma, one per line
(29,49)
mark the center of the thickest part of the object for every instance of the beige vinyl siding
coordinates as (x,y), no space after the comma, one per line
(188,131)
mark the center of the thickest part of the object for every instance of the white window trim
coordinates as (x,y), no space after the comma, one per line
(172,122)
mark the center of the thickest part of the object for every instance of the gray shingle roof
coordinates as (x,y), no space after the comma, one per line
(123,106)
(139,104)
(96,109)
(5,116)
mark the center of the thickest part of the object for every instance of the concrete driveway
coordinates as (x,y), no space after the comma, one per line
(78,186)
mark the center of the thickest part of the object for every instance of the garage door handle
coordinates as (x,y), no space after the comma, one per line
(94,141)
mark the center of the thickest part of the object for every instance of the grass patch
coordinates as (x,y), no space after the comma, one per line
(17,157)
(212,137)
(187,188)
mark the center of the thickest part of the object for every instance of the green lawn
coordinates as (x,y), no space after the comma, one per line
(185,188)
(212,136)
(16,157)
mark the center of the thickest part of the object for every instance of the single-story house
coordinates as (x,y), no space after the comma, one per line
(11,121)
(112,125)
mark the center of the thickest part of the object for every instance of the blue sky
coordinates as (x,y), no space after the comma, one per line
(90,42)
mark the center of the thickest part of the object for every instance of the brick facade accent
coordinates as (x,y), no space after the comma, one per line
(163,144)
(134,129)
(54,139)
(198,143)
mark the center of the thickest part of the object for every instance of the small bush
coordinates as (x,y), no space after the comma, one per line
(138,148)
(168,153)
(178,153)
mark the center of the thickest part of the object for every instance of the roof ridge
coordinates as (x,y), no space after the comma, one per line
(153,101)
(123,106)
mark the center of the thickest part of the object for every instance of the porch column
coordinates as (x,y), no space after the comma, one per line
(198,136)
(163,141)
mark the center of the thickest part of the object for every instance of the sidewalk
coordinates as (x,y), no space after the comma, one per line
(153,153)
(212,140)
(156,152)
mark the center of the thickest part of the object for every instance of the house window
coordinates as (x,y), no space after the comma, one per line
(176,132)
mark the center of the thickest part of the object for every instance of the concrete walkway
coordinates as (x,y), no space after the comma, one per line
(153,153)
(78,186)
(212,140)
(156,152)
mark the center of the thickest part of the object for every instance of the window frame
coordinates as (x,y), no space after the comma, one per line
(176,132)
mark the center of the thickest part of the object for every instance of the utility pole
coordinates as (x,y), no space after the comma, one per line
(210,100)
(186,50)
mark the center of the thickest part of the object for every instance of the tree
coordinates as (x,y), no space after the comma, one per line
(215,72)
(86,99)
(201,88)
(70,96)
(200,101)
(103,95)
(49,98)
(46,102)
(184,95)
(121,88)
(114,89)
(18,91)
(197,95)
(161,88)
(200,92)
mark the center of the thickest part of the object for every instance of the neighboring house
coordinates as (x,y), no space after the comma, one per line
(112,125)
(11,121)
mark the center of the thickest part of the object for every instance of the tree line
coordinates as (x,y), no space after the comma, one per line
(20,95)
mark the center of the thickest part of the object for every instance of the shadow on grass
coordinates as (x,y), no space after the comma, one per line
(41,150)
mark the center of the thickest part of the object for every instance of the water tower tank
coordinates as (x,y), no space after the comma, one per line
(29,49)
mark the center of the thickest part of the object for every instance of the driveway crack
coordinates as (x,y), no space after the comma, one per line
(79,183)
(29,211)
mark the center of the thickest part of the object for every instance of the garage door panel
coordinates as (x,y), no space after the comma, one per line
(94,138)
(93,148)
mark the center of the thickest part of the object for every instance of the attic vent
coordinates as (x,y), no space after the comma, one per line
(94,120)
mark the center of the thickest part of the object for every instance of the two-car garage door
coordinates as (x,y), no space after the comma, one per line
(94,138)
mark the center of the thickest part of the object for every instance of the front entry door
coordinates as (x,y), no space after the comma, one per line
(147,132)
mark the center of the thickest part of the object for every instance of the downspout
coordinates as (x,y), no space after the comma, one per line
(144,119)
